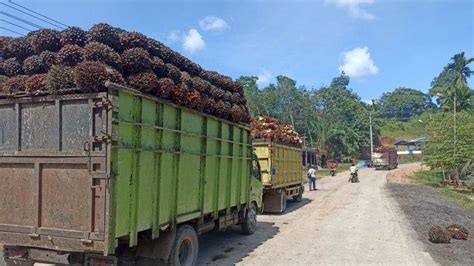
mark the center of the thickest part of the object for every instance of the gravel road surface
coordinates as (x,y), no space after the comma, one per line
(341,223)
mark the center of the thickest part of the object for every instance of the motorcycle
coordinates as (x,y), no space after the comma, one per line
(354,178)
(332,172)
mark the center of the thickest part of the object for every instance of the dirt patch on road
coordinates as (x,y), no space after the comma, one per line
(400,175)
(424,206)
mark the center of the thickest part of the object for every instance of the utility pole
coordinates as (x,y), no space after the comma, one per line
(371,140)
(454,124)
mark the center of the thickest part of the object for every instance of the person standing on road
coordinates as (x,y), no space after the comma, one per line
(312,177)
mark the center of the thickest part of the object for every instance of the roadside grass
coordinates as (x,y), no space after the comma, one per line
(340,168)
(435,179)
(409,159)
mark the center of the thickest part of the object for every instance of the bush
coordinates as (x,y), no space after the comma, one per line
(136,60)
(38,82)
(60,77)
(106,34)
(95,51)
(165,88)
(15,84)
(20,48)
(73,35)
(144,81)
(45,40)
(34,65)
(70,55)
(11,67)
(91,76)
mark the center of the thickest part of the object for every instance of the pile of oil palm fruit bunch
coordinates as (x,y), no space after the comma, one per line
(47,61)
(458,231)
(437,235)
(268,128)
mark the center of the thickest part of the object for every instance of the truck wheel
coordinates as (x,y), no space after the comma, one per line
(185,247)
(250,224)
(299,197)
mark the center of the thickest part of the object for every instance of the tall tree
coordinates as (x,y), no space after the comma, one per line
(340,82)
(404,103)
(452,83)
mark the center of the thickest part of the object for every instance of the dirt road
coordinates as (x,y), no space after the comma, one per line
(341,223)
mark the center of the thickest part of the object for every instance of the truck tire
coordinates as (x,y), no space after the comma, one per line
(299,197)
(185,247)
(249,226)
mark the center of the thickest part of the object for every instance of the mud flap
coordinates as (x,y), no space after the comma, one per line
(275,202)
(159,248)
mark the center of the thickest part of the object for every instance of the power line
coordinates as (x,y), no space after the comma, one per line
(33,16)
(16,25)
(16,32)
(22,20)
(41,15)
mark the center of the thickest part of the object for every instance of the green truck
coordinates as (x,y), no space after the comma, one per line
(93,179)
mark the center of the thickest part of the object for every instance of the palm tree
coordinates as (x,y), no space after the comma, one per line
(452,82)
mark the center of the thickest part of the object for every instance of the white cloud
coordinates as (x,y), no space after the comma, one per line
(193,41)
(174,36)
(358,63)
(354,7)
(212,23)
(264,77)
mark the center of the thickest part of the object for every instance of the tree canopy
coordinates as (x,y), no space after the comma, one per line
(404,103)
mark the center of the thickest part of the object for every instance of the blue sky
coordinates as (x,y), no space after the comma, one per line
(382,44)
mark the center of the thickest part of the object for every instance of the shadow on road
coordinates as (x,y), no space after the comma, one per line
(227,248)
(291,206)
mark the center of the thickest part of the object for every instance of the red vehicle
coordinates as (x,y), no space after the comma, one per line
(332,165)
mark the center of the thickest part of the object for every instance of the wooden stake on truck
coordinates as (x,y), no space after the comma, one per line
(93,178)
(282,174)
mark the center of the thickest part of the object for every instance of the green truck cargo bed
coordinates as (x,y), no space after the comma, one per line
(82,172)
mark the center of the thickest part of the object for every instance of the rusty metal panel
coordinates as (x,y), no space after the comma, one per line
(39,126)
(8,128)
(76,122)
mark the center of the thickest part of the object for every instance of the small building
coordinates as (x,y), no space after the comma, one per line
(410,147)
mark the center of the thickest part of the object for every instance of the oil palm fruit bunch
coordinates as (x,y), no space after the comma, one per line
(458,231)
(2,71)
(186,79)
(165,88)
(90,76)
(220,108)
(179,94)
(73,35)
(60,77)
(143,81)
(48,57)
(38,82)
(70,55)
(15,84)
(136,60)
(194,100)
(34,65)
(239,88)
(210,105)
(45,40)
(19,48)
(235,113)
(193,69)
(158,66)
(236,98)
(173,72)
(438,235)
(4,41)
(200,84)
(115,76)
(227,96)
(216,93)
(11,67)
(129,40)
(96,51)
(106,34)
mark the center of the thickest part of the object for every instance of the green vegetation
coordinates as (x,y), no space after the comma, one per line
(435,179)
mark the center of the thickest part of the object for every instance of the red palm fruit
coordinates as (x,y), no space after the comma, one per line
(20,48)
(136,60)
(158,66)
(38,82)
(96,51)
(144,81)
(73,35)
(106,34)
(166,87)
(11,67)
(34,65)
(91,76)
(14,84)
(48,57)
(70,55)
(130,40)
(235,113)
(173,72)
(195,100)
(178,95)
(60,77)
(45,40)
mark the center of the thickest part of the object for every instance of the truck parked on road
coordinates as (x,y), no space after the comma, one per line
(385,158)
(282,174)
(97,178)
